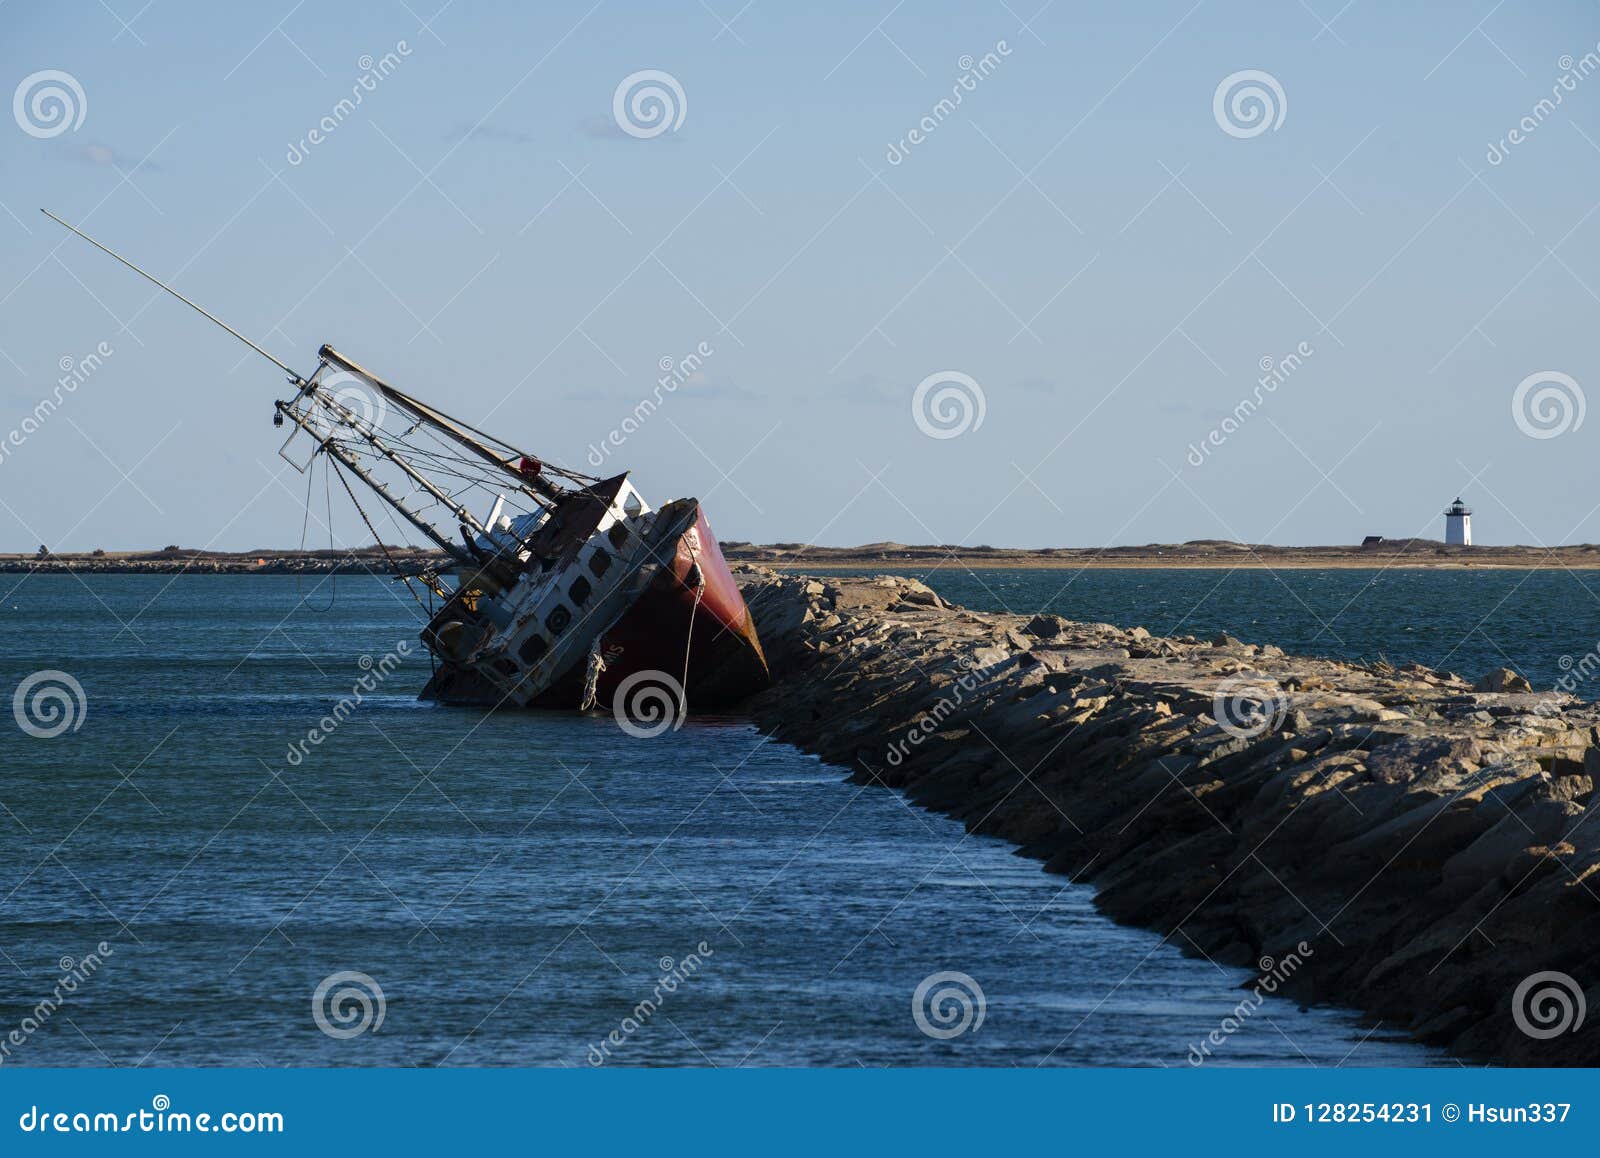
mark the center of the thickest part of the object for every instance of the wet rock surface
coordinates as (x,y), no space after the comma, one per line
(1429,837)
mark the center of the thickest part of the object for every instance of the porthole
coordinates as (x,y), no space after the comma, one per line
(532,648)
(579,591)
(556,622)
(599,563)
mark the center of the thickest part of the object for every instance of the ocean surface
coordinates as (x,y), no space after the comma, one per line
(549,890)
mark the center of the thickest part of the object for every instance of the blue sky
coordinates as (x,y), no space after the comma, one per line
(1081,238)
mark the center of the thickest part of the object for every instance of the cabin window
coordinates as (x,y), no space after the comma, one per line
(532,648)
(618,534)
(599,563)
(579,591)
(505,666)
(556,622)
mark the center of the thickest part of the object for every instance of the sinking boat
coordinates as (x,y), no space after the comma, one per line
(554,589)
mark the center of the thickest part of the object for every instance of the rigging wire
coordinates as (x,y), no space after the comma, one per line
(377,538)
(305,523)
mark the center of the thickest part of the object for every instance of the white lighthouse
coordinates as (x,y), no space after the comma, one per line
(1458,525)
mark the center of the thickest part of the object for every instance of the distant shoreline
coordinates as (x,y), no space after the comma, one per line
(1208,554)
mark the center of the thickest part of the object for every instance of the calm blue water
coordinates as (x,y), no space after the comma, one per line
(1462,621)
(514,883)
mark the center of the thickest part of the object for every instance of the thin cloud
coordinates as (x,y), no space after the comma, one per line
(489,135)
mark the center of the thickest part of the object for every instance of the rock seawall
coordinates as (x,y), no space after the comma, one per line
(1432,839)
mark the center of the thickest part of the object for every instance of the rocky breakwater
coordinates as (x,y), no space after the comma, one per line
(1431,840)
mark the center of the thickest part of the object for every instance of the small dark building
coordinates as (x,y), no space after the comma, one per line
(1372,541)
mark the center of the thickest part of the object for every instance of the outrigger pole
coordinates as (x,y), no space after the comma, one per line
(326,441)
(201,310)
(454,428)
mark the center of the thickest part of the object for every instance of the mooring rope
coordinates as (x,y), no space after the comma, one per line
(688,642)
(591,679)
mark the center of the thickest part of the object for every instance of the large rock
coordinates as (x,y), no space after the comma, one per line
(1502,679)
(1044,626)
